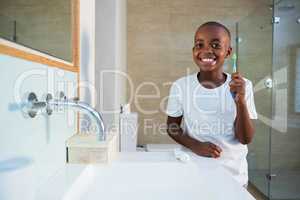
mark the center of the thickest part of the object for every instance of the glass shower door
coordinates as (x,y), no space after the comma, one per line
(285,137)
(255,63)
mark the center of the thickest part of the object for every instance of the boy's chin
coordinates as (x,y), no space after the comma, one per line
(208,68)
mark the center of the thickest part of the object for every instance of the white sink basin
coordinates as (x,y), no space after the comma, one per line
(16,178)
(135,176)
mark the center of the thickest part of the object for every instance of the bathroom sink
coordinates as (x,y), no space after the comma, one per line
(144,176)
(16,180)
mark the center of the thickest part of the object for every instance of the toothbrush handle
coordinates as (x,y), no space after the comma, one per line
(233,94)
(234,68)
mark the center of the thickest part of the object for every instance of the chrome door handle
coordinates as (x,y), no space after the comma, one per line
(269,83)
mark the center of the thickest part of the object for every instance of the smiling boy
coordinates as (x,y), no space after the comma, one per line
(217,123)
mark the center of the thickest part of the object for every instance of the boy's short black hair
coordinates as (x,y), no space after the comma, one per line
(213,23)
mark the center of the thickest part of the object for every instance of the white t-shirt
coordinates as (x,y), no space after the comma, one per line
(209,115)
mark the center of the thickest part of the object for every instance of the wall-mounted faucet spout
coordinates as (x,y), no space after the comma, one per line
(34,106)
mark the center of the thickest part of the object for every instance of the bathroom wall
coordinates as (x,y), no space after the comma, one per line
(111,58)
(103,29)
(160,40)
(42,138)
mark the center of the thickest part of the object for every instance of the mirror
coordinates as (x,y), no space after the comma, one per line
(42,25)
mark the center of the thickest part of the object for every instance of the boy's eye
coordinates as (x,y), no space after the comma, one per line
(216,45)
(199,45)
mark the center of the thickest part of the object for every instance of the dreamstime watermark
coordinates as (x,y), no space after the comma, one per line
(148,98)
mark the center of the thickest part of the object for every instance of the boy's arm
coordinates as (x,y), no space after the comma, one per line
(200,148)
(243,126)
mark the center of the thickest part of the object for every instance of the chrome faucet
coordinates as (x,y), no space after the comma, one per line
(34,106)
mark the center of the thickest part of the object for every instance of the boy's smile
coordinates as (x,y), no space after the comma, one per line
(212,47)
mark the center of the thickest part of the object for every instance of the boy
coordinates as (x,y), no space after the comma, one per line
(217,107)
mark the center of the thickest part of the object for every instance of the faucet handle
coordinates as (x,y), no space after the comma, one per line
(32,98)
(49,97)
(49,110)
(62,95)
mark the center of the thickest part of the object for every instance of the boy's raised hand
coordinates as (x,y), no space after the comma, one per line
(237,85)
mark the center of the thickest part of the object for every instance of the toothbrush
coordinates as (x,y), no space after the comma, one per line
(234,70)
(234,59)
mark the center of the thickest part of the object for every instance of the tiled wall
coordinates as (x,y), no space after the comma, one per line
(42,138)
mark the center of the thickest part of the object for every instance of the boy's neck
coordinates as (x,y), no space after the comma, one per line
(211,79)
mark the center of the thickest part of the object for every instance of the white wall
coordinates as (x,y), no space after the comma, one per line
(42,138)
(106,58)
(103,52)
(121,50)
(87,52)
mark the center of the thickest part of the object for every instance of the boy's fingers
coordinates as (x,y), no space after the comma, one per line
(235,73)
(215,147)
(218,149)
(238,80)
(236,85)
(237,76)
(236,88)
(215,154)
(241,81)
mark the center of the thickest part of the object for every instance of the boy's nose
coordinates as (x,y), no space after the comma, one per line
(208,49)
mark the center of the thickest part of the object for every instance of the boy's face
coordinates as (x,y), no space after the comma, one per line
(212,47)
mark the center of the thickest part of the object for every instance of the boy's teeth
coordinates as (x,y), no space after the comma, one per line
(209,60)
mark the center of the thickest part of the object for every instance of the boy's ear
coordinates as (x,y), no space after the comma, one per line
(229,52)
